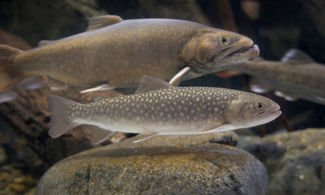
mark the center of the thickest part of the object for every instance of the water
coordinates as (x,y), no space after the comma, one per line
(276,26)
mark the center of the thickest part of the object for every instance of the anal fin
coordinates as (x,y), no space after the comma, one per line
(31,83)
(98,135)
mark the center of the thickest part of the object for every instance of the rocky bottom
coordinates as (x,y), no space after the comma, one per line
(161,165)
(13,180)
(295,161)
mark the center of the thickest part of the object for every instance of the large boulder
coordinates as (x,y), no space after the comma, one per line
(161,165)
(295,161)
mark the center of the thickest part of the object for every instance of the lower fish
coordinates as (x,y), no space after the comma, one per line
(160,109)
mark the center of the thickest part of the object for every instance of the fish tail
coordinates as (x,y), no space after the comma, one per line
(60,120)
(7,78)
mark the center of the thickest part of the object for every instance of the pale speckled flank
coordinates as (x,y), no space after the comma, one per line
(173,106)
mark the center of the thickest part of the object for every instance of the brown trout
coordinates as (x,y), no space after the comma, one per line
(297,75)
(164,110)
(119,52)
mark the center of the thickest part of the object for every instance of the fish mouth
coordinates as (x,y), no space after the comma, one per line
(232,56)
(265,118)
(251,51)
(245,51)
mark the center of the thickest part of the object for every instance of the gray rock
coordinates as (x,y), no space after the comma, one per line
(161,165)
(295,161)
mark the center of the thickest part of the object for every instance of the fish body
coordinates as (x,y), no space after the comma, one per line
(169,111)
(293,78)
(120,52)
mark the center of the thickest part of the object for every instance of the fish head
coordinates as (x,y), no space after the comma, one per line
(250,110)
(212,50)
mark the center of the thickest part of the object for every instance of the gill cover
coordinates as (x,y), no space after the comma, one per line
(202,48)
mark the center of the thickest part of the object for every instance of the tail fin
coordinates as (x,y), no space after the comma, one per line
(60,121)
(7,79)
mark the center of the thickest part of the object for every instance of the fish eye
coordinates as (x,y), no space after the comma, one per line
(225,41)
(259,106)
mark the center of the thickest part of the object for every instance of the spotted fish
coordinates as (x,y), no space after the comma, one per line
(118,53)
(160,109)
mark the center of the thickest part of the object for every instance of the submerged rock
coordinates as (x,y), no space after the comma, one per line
(295,161)
(161,165)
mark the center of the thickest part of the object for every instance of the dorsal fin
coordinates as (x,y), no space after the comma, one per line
(296,56)
(97,22)
(149,83)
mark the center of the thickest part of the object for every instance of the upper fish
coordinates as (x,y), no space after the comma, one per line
(160,109)
(119,52)
(297,75)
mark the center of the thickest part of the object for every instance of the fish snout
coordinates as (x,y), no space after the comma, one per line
(273,111)
(245,42)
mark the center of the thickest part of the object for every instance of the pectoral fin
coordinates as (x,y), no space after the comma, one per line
(220,128)
(149,83)
(97,22)
(211,126)
(143,137)
(55,85)
(177,78)
(227,73)
(103,87)
(98,135)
